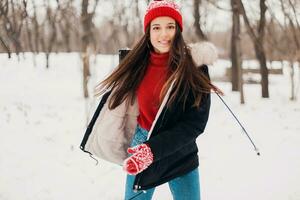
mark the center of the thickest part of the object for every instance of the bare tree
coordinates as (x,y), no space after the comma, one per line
(237,71)
(66,16)
(235,45)
(3,13)
(12,18)
(36,29)
(257,37)
(51,29)
(6,47)
(292,34)
(199,33)
(28,32)
(87,38)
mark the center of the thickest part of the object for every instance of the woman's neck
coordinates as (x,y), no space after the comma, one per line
(159,60)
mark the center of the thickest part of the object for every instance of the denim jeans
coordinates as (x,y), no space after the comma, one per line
(186,187)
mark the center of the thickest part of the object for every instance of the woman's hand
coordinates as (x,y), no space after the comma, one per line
(140,160)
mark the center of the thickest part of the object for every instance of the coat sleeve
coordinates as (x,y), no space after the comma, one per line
(192,123)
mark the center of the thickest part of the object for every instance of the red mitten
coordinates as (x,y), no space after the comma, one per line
(134,149)
(140,160)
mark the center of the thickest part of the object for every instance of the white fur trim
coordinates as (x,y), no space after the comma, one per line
(113,131)
(204,53)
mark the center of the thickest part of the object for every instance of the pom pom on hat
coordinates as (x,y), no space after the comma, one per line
(160,8)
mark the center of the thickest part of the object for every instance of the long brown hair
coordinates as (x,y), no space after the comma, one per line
(126,78)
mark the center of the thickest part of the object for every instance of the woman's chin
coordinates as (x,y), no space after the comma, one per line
(162,50)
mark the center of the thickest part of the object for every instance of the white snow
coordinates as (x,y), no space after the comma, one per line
(43,118)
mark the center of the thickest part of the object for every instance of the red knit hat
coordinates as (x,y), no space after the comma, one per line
(159,8)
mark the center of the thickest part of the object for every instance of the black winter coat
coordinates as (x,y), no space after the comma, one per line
(173,140)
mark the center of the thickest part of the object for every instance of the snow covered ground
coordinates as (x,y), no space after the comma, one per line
(43,118)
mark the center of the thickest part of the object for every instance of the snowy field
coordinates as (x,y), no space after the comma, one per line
(43,118)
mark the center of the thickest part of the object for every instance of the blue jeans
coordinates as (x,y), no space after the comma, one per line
(186,187)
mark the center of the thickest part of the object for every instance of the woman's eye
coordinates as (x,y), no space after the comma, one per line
(156,28)
(171,27)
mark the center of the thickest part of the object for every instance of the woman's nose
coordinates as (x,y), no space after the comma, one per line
(164,32)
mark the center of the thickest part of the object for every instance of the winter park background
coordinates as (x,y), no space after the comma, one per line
(43,118)
(43,111)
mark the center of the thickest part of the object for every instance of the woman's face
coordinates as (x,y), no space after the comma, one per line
(162,32)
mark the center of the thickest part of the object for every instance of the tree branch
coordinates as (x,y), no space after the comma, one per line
(250,30)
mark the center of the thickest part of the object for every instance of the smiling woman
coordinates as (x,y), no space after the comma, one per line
(157,104)
(162,32)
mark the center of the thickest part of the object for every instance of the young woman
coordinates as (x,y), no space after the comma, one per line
(172,94)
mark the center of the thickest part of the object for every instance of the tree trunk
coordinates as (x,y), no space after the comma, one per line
(36,31)
(86,27)
(292,75)
(5,47)
(298,85)
(237,70)
(261,57)
(29,35)
(258,41)
(241,85)
(200,34)
(47,54)
(235,49)
(86,73)
(260,52)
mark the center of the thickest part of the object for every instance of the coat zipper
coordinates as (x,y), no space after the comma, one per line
(159,112)
(138,177)
(137,186)
(162,119)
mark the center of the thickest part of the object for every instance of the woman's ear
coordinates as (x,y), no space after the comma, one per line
(204,53)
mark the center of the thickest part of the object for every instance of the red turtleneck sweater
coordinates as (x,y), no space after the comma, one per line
(149,90)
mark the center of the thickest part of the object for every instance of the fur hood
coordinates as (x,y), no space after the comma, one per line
(203,53)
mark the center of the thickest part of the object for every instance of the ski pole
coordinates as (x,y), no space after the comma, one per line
(255,148)
(136,195)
